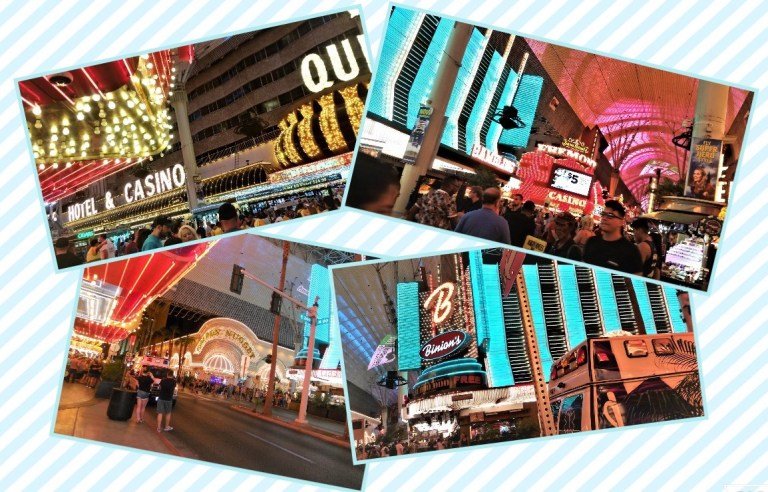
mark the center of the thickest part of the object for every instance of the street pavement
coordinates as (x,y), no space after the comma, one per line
(210,430)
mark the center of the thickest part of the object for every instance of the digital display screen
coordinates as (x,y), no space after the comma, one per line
(571,181)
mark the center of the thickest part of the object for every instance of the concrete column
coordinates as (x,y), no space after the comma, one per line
(445,79)
(179,102)
(709,121)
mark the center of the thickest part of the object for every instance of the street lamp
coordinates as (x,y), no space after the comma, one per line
(312,314)
(309,361)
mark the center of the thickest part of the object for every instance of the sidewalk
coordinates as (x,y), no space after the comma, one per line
(330,431)
(81,415)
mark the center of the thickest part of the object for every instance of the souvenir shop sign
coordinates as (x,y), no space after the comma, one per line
(493,159)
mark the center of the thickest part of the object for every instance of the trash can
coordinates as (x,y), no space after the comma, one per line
(121,404)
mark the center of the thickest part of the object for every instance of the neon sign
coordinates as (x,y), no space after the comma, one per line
(315,72)
(153,184)
(575,144)
(564,152)
(443,304)
(444,344)
(493,159)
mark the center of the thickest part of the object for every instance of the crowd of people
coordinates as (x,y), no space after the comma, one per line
(164,231)
(83,369)
(452,205)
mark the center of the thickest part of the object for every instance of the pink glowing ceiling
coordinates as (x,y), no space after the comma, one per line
(638,109)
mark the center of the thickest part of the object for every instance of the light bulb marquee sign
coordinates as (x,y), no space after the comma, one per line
(315,71)
(153,184)
(446,320)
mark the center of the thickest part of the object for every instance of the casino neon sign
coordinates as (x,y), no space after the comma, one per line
(441,298)
(314,70)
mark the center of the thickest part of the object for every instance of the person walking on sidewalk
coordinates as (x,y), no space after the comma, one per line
(165,402)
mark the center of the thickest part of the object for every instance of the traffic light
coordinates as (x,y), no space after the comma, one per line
(277,302)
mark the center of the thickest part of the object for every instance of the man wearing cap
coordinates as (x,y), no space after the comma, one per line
(64,257)
(612,249)
(161,228)
(228,217)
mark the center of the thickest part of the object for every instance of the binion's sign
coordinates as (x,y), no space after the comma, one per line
(133,191)
(316,74)
(444,344)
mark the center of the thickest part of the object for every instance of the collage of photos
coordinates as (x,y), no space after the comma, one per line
(556,150)
(602,184)
(462,350)
(200,140)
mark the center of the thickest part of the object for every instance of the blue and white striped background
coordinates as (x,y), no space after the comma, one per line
(720,40)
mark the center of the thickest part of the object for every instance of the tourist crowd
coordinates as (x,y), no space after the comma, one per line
(163,231)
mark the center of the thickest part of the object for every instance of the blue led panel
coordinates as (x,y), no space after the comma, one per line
(499,370)
(425,78)
(402,22)
(332,356)
(483,102)
(531,277)
(607,298)
(526,101)
(675,311)
(478,294)
(319,285)
(408,341)
(569,292)
(644,303)
(494,131)
(464,79)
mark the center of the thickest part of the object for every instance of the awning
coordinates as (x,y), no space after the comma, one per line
(675,217)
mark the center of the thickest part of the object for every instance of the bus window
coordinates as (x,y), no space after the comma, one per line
(636,348)
(606,366)
(570,414)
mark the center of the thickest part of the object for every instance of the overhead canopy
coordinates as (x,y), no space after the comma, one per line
(91,122)
(638,109)
(114,295)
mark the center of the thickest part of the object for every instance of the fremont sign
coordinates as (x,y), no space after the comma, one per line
(444,344)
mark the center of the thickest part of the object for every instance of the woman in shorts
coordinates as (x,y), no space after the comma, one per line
(143,385)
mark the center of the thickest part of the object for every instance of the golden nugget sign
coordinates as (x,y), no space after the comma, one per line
(315,72)
(216,333)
